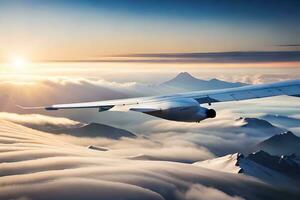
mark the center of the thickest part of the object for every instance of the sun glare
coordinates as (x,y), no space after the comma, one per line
(18,62)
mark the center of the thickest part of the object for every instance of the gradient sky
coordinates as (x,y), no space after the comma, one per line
(74,30)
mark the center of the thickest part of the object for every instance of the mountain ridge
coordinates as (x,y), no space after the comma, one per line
(97,130)
(186,81)
(281,144)
(92,130)
(259,164)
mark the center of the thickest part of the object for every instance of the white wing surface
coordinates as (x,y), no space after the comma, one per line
(143,104)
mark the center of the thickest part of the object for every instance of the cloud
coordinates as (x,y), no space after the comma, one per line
(75,172)
(199,192)
(150,148)
(211,57)
(288,45)
(266,78)
(135,148)
(206,57)
(54,169)
(164,140)
(220,136)
(79,188)
(37,119)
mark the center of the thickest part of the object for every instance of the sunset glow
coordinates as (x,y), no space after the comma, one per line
(18,63)
(149,100)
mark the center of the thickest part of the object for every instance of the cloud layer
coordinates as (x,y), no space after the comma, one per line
(37,119)
(151,148)
(213,57)
(38,165)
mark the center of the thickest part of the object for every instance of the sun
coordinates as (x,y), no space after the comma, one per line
(18,62)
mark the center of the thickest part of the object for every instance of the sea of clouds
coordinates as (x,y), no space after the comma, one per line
(39,165)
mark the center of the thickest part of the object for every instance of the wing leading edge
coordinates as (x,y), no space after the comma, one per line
(290,88)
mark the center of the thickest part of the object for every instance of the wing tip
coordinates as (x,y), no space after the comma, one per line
(19,106)
(30,108)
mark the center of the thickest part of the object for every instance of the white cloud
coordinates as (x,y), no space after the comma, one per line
(200,192)
(52,168)
(37,119)
(157,148)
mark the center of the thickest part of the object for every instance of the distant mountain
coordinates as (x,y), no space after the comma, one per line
(96,130)
(186,81)
(50,127)
(282,120)
(281,144)
(255,123)
(257,126)
(260,164)
(285,164)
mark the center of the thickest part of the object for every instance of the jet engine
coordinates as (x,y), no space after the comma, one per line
(186,110)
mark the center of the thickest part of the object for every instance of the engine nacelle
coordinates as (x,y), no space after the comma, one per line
(203,113)
(186,110)
(211,113)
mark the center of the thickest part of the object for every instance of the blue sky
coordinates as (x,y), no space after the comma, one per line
(55,30)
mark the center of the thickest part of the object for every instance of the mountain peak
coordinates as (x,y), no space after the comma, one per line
(214,80)
(288,134)
(284,143)
(260,164)
(184,75)
(284,164)
(254,122)
(228,163)
(184,82)
(98,130)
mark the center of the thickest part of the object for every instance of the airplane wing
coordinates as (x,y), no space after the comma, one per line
(289,88)
(154,103)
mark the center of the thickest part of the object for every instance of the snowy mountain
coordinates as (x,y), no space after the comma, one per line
(186,82)
(228,163)
(255,123)
(268,168)
(285,164)
(256,126)
(281,144)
